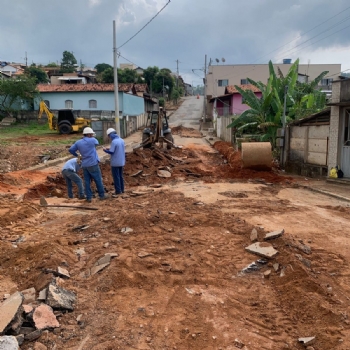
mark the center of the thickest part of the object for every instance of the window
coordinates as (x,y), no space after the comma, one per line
(223,82)
(68,104)
(92,104)
(244,81)
(325,82)
(47,103)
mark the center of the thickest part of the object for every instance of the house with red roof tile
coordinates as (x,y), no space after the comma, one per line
(232,102)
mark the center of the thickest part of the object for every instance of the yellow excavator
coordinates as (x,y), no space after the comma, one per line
(67,121)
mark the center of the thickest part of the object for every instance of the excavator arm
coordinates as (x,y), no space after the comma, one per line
(50,116)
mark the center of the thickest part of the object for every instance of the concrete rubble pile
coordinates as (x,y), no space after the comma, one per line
(24,315)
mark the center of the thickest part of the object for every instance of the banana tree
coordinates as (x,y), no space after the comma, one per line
(265,113)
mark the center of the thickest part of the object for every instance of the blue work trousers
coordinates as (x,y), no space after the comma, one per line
(117,173)
(71,176)
(93,173)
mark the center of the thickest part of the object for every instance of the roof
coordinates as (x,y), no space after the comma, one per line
(84,88)
(230,89)
(141,87)
(320,117)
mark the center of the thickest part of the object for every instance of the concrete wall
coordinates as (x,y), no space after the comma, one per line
(237,107)
(307,152)
(333,147)
(221,129)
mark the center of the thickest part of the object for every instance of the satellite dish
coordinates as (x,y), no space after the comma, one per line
(217,60)
(223,60)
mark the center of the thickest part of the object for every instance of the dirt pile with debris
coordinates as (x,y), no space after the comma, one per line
(164,266)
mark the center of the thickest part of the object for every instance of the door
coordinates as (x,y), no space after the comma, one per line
(345,144)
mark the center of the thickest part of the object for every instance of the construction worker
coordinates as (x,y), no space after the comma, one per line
(70,174)
(89,162)
(117,152)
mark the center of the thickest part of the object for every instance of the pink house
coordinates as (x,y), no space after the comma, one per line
(231,102)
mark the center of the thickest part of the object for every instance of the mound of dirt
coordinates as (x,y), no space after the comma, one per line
(186,132)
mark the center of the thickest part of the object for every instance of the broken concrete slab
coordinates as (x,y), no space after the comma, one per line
(104,260)
(60,298)
(263,249)
(98,268)
(44,317)
(273,235)
(8,342)
(9,310)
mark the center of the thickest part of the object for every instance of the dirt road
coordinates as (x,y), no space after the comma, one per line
(177,281)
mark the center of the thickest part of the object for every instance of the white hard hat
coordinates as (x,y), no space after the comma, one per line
(88,131)
(110,130)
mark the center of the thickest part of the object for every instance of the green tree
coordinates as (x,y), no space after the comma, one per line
(15,93)
(52,64)
(38,74)
(107,76)
(68,63)
(149,75)
(101,67)
(127,76)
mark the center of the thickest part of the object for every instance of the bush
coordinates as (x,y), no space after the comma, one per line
(161,102)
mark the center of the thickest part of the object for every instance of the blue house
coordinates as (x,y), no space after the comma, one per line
(91,97)
(96,101)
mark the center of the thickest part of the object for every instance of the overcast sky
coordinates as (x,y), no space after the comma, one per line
(240,31)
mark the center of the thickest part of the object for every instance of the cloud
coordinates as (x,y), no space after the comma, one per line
(241,31)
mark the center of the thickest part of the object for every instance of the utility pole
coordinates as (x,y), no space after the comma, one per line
(205,89)
(26,58)
(116,90)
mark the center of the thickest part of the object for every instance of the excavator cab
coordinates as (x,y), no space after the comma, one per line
(67,120)
(157,130)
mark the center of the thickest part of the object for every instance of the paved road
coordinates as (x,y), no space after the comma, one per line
(189,113)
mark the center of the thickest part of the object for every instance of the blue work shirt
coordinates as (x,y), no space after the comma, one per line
(117,151)
(72,164)
(87,148)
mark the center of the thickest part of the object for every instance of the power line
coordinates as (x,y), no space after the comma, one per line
(250,70)
(146,23)
(301,35)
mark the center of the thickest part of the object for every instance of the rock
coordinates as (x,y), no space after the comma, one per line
(57,193)
(198,203)
(32,336)
(276,266)
(27,308)
(60,298)
(126,230)
(9,309)
(310,348)
(26,330)
(20,339)
(137,173)
(104,260)
(106,219)
(44,317)
(273,235)
(98,268)
(106,245)
(305,248)
(254,235)
(28,295)
(163,173)
(156,185)
(144,254)
(306,340)
(306,262)
(263,249)
(267,273)
(6,296)
(8,343)
(238,344)
(62,272)
(42,294)
(39,346)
